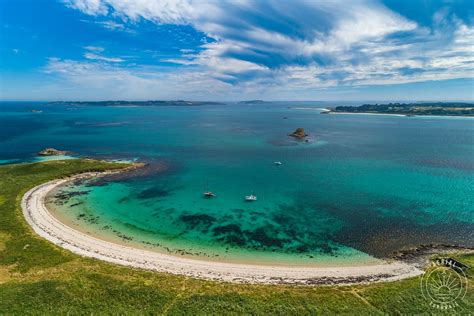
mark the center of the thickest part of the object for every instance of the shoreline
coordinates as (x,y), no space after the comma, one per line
(187,250)
(399,115)
(183,252)
(50,228)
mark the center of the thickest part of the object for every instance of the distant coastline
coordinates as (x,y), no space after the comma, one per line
(362,113)
(121,103)
(397,115)
(461,109)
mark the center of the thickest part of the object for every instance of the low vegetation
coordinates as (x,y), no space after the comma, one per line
(134,103)
(37,277)
(434,108)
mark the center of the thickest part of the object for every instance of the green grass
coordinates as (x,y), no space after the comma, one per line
(37,277)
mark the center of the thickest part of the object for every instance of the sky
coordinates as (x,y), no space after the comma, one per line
(407,50)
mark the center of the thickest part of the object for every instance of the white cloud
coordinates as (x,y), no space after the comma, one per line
(94,53)
(111,25)
(301,44)
(92,7)
(161,11)
(227,23)
(109,81)
(102,58)
(94,48)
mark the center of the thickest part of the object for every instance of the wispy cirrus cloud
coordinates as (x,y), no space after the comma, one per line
(304,44)
(101,79)
(112,26)
(94,48)
(95,53)
(102,58)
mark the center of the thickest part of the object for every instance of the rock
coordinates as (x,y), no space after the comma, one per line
(51,152)
(299,133)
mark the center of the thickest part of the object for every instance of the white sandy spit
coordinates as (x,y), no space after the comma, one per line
(404,115)
(365,113)
(47,226)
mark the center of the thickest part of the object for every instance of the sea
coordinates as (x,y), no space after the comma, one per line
(359,189)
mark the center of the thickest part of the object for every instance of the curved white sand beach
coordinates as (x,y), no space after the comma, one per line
(47,226)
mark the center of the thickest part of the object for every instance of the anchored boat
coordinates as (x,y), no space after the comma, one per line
(209,194)
(250,198)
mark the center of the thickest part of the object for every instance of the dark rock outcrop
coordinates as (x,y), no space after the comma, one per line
(51,152)
(299,133)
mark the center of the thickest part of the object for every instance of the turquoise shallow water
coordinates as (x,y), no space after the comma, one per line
(363,186)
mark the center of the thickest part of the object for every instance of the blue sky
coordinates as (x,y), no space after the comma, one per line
(234,50)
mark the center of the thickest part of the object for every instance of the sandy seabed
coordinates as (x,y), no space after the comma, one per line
(49,227)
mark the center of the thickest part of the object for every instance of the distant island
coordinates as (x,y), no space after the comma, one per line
(409,109)
(134,103)
(253,102)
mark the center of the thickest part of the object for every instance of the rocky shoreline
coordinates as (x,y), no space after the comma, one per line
(421,255)
(52,152)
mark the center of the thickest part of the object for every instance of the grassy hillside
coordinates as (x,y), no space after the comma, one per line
(37,277)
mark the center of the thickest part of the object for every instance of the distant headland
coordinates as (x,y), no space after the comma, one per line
(135,103)
(253,102)
(409,109)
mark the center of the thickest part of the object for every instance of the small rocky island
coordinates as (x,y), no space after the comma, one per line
(52,152)
(298,133)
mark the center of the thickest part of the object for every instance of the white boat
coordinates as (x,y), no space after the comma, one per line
(278,163)
(250,198)
(209,194)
